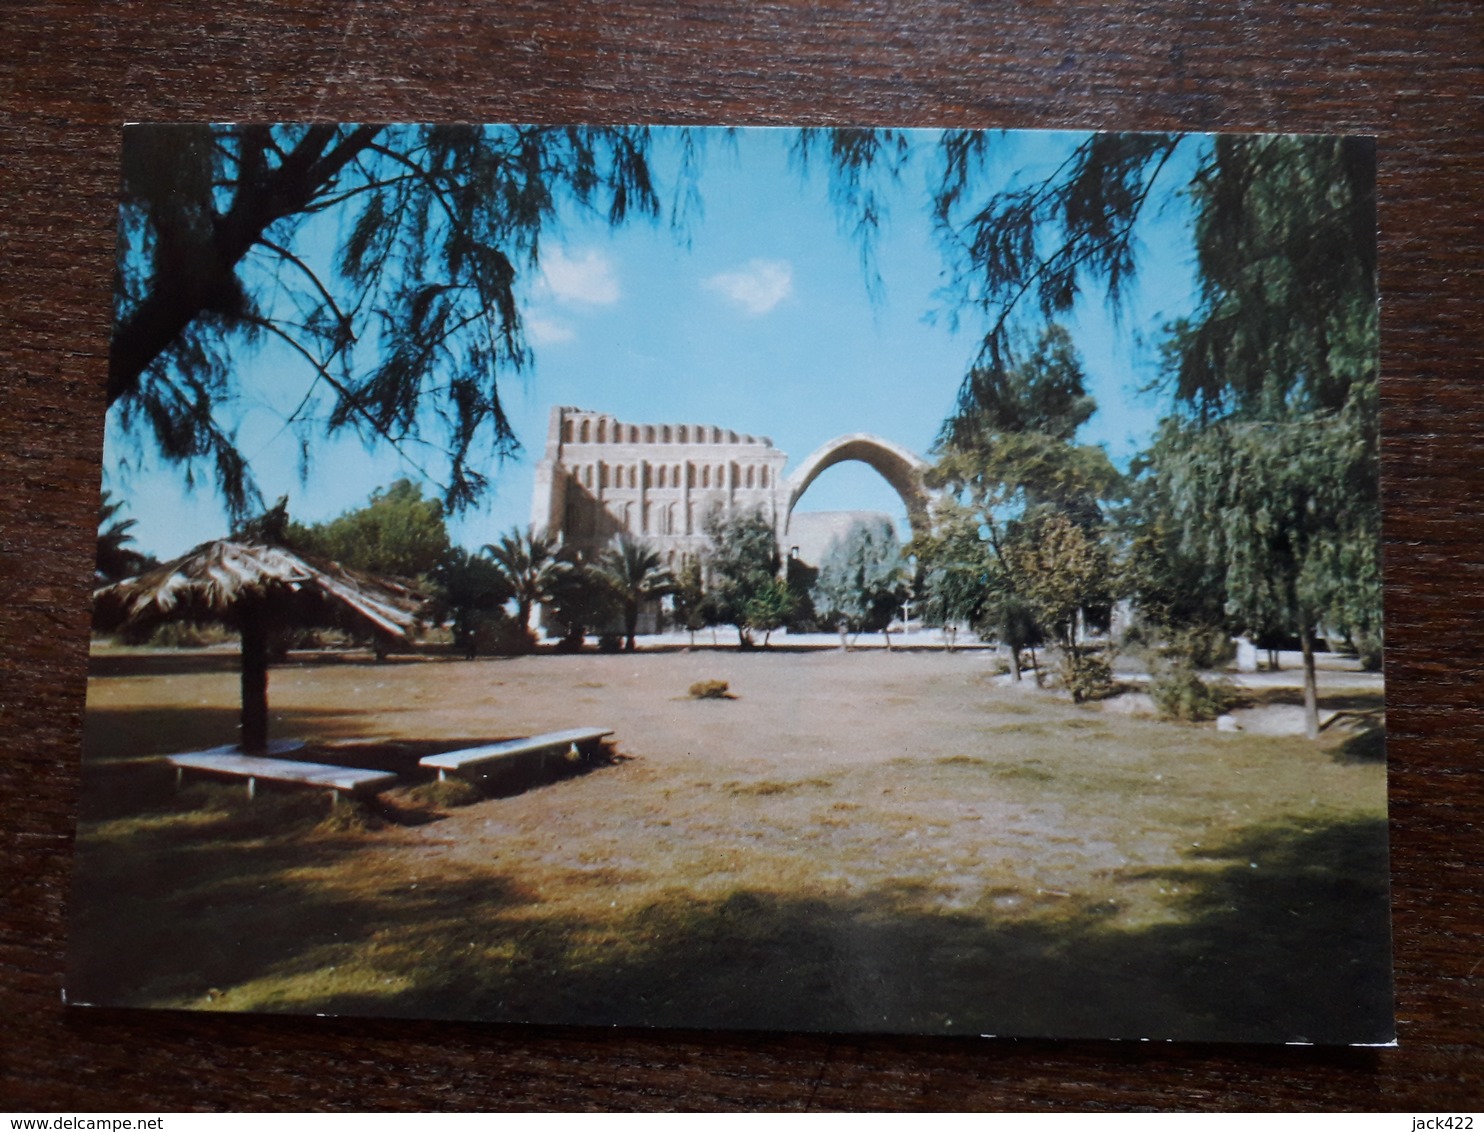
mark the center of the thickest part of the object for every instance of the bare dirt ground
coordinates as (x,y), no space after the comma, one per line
(862,841)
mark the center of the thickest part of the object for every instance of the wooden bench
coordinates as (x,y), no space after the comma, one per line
(515,751)
(232,762)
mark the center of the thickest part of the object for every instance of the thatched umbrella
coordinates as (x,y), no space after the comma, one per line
(255,588)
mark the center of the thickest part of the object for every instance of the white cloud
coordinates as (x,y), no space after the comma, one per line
(758,286)
(544,331)
(583,277)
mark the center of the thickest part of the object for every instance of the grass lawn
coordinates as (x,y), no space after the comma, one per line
(857,842)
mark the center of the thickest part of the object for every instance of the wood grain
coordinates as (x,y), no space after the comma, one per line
(73,71)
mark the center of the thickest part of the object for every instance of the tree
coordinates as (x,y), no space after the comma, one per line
(398,532)
(1010,446)
(1008,458)
(531,567)
(743,561)
(634,569)
(1269,465)
(1273,378)
(768,608)
(1060,569)
(403,333)
(689,597)
(1174,589)
(114,560)
(1282,510)
(583,598)
(470,592)
(862,579)
(955,566)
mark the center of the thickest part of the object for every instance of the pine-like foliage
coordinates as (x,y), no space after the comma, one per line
(403,332)
(862,578)
(1271,466)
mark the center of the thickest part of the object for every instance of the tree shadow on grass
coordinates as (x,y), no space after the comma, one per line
(1367,745)
(123,733)
(1279,935)
(123,785)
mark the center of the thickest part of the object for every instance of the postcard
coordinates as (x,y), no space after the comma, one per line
(870,580)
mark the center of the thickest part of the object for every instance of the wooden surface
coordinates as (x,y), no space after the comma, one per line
(73,71)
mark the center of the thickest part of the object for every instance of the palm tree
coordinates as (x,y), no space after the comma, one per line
(634,570)
(114,560)
(531,566)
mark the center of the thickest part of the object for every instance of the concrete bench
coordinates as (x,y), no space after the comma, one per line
(233,763)
(515,751)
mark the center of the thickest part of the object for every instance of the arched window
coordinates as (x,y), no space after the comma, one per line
(602,429)
(602,472)
(662,475)
(683,434)
(633,434)
(647,518)
(586,431)
(670,519)
(587,472)
(649,434)
(567,430)
(628,517)
(665,435)
(763,477)
(706,476)
(749,476)
(675,476)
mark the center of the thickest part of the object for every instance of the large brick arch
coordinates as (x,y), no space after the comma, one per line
(900,467)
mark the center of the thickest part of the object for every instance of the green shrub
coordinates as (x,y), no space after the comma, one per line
(445,794)
(1203,646)
(1179,693)
(1369,649)
(1086,673)
(709,690)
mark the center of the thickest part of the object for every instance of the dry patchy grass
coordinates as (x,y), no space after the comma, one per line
(974,859)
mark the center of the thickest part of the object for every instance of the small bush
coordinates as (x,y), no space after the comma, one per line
(181,635)
(504,636)
(1179,693)
(446,794)
(1369,650)
(610,642)
(709,690)
(489,632)
(1204,647)
(1086,673)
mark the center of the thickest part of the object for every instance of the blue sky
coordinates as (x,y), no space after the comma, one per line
(758,319)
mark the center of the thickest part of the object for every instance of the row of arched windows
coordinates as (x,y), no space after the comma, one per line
(603,431)
(670,475)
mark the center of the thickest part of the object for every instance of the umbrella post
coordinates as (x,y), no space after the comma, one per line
(254,680)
